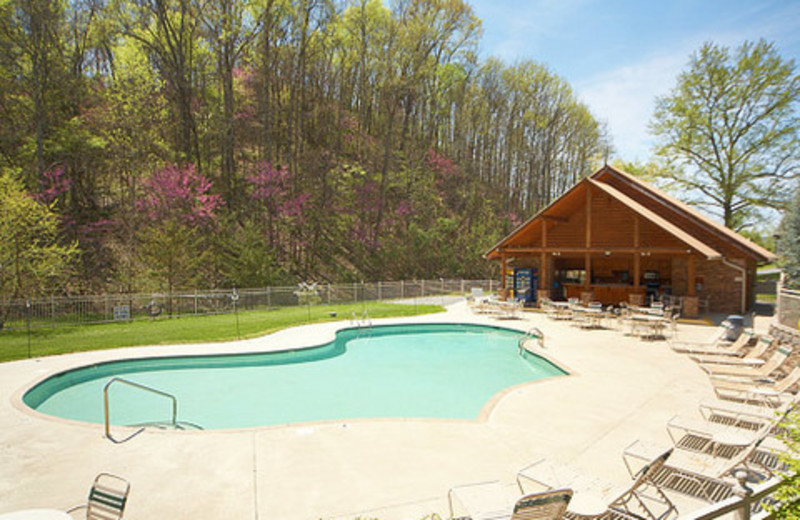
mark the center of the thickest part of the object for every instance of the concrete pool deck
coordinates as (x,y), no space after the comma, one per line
(620,389)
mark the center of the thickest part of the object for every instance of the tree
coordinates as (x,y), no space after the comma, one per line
(789,242)
(731,125)
(31,260)
(789,493)
(181,212)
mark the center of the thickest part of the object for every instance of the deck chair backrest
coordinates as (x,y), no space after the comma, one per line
(644,475)
(776,360)
(743,456)
(107,498)
(760,348)
(548,505)
(791,379)
(744,338)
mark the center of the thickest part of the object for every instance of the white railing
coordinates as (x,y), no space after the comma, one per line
(741,505)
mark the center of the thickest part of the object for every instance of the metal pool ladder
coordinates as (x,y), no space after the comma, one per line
(173,423)
(532,334)
(360,321)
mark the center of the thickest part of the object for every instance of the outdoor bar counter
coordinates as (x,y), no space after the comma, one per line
(605,293)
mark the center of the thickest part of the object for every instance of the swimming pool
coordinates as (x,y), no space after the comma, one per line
(414,371)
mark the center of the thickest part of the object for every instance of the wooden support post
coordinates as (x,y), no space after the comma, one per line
(691,290)
(637,255)
(588,258)
(588,217)
(502,276)
(588,262)
(543,274)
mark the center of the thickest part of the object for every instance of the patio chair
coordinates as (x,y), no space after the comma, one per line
(107,498)
(735,352)
(596,499)
(491,501)
(770,395)
(750,372)
(701,475)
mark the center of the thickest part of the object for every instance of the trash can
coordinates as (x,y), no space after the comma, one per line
(733,327)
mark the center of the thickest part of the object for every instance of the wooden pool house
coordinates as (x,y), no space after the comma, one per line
(613,238)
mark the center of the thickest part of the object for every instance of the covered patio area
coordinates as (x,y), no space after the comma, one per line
(612,238)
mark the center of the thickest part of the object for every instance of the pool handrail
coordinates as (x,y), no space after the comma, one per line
(533,333)
(140,386)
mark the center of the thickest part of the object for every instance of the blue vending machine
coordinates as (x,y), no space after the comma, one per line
(526,281)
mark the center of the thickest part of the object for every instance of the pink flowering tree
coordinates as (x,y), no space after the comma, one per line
(449,178)
(178,210)
(181,194)
(53,184)
(283,210)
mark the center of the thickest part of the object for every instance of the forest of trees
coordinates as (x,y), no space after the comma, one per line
(219,143)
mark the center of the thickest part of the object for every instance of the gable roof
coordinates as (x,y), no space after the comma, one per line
(682,222)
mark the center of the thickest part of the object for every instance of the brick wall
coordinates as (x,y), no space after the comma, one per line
(720,286)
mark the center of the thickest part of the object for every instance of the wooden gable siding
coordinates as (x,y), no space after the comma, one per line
(568,234)
(613,223)
(650,235)
(685,222)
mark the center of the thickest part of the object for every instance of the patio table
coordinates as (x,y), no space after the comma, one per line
(647,326)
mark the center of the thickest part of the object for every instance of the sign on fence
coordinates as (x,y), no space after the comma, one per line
(122,312)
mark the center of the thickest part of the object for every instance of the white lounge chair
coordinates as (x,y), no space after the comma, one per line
(742,415)
(750,372)
(713,344)
(735,353)
(701,435)
(703,475)
(765,394)
(599,500)
(492,501)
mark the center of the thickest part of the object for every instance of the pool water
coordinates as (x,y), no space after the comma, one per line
(420,371)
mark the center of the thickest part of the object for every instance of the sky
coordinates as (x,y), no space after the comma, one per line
(619,55)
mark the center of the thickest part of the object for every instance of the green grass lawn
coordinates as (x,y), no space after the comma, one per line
(194,329)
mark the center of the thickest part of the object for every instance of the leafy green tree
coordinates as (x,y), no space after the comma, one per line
(731,126)
(789,492)
(31,260)
(789,243)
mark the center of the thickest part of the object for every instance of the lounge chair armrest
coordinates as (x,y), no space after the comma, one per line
(76,508)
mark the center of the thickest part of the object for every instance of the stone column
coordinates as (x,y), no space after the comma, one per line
(691,307)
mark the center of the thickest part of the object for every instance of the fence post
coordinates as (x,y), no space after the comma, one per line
(269,297)
(329,292)
(402,289)
(379,292)
(195,302)
(53,310)
(422,288)
(742,490)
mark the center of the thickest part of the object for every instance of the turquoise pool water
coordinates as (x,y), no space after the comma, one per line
(436,370)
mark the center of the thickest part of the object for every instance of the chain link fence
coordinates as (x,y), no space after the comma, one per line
(105,308)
